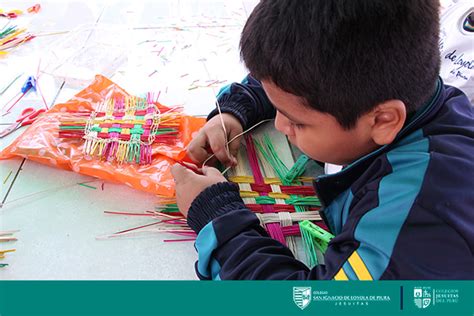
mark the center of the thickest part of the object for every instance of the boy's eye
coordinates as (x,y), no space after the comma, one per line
(297,126)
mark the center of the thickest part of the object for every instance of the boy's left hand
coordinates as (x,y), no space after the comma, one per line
(190,184)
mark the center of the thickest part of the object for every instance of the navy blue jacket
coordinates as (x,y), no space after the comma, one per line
(404,211)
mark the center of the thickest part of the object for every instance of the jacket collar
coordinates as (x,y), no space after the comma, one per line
(330,186)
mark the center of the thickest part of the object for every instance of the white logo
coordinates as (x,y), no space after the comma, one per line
(302,296)
(422,296)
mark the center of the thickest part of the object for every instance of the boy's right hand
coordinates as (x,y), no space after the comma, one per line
(212,137)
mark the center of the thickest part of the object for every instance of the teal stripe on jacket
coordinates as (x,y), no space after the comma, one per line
(334,217)
(206,242)
(349,271)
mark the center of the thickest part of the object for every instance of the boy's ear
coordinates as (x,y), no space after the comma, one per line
(387,120)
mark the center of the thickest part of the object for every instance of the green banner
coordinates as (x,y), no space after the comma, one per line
(236,298)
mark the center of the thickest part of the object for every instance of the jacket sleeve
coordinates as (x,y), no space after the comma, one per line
(232,245)
(247,101)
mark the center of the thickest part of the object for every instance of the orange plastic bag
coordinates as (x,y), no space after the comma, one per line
(40,142)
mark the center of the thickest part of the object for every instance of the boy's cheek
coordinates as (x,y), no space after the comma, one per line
(300,141)
(309,147)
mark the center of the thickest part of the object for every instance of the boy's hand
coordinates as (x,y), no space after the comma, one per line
(190,184)
(212,136)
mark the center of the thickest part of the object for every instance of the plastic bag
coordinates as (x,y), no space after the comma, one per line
(85,51)
(40,142)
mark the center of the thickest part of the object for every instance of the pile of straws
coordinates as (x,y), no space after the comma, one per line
(167,219)
(6,236)
(123,129)
(13,14)
(12,36)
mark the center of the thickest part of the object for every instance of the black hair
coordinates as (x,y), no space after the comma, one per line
(344,57)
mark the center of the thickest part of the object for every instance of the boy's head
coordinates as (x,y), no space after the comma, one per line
(343,69)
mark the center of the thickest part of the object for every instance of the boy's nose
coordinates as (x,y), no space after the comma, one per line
(282,124)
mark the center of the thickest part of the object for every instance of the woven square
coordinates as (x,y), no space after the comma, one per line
(123,129)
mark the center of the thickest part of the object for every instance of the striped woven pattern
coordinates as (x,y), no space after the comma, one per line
(123,129)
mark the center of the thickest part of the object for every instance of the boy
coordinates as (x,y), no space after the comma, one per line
(353,83)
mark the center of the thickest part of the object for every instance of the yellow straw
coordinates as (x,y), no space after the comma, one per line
(5,251)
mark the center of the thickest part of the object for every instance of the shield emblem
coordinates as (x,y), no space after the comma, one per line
(422,297)
(302,296)
(426,302)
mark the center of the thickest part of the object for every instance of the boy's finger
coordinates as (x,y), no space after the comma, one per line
(234,148)
(211,171)
(218,147)
(179,172)
(197,149)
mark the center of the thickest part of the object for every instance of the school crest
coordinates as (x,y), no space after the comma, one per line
(422,297)
(302,296)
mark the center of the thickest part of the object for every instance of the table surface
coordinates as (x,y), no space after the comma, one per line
(168,46)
